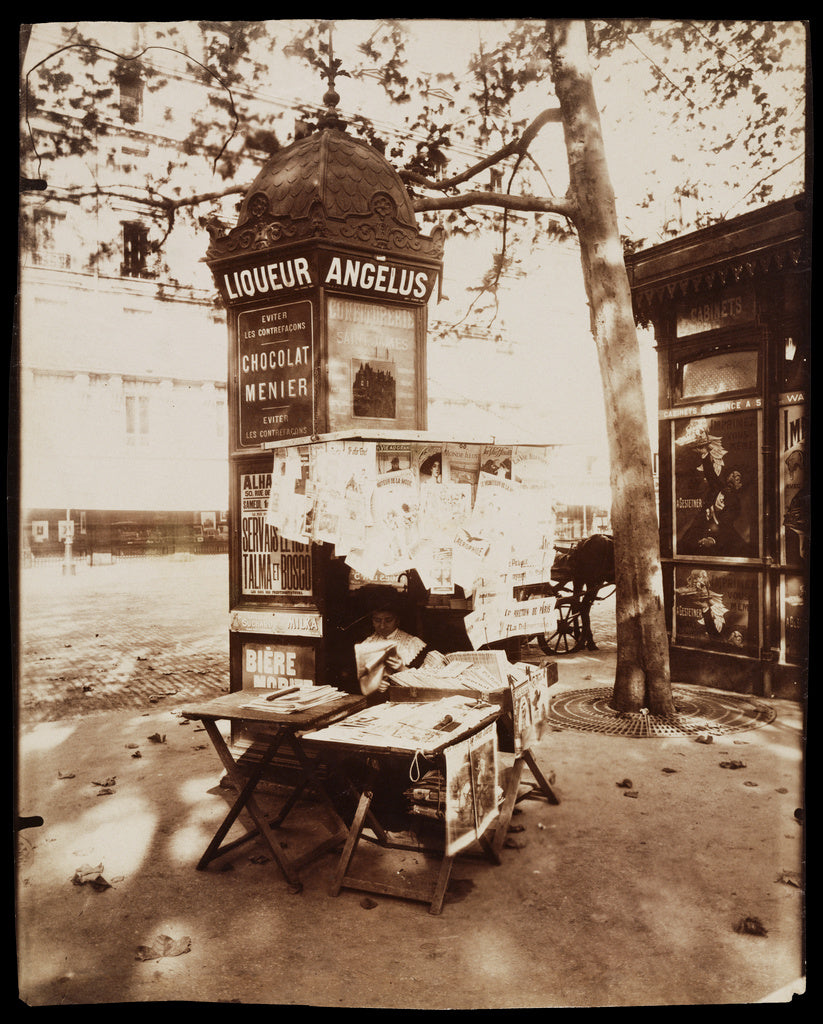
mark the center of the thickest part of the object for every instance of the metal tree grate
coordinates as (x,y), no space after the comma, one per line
(696,711)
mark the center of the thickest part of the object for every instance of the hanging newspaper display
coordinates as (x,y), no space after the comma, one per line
(474,516)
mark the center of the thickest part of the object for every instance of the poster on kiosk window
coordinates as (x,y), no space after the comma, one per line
(795,493)
(716,610)
(717,485)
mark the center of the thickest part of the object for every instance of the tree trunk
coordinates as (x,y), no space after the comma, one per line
(642,678)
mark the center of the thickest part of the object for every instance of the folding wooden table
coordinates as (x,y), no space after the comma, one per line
(274,729)
(364,815)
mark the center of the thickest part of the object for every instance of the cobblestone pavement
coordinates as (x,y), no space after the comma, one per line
(141,632)
(120,636)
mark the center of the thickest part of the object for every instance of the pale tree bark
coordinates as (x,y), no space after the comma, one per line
(642,679)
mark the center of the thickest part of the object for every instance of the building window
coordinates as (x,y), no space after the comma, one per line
(135,250)
(131,96)
(50,239)
(137,419)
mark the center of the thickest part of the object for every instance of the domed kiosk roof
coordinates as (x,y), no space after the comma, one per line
(333,169)
(329,186)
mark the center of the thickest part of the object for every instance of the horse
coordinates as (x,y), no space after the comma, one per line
(588,565)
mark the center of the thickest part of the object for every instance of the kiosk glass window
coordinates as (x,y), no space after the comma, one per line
(719,374)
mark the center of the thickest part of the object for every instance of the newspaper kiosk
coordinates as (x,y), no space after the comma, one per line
(336,485)
(326,279)
(730,308)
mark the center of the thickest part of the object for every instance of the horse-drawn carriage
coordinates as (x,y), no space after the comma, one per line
(581,574)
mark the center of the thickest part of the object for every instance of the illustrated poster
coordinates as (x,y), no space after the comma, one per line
(716,486)
(717,610)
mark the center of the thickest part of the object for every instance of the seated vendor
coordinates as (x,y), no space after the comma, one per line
(388,649)
(407,651)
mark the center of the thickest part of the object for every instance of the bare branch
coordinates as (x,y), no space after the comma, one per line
(516,147)
(525,204)
(206,197)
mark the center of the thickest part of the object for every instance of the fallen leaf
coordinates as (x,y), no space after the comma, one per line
(747,783)
(750,926)
(669,771)
(64,775)
(164,945)
(632,793)
(732,764)
(111,781)
(625,784)
(137,754)
(789,878)
(703,737)
(105,791)
(157,738)
(367,903)
(132,746)
(87,875)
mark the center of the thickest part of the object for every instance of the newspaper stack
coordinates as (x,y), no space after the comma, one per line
(428,796)
(454,675)
(295,699)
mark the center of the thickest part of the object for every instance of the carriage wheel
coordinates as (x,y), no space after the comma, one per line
(565,637)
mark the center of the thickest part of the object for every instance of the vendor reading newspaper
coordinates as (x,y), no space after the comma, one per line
(389,649)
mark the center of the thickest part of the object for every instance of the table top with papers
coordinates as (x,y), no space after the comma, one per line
(295,707)
(427,727)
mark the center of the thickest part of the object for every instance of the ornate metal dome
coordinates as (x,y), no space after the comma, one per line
(327,186)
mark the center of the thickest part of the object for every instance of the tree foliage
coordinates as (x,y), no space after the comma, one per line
(734,89)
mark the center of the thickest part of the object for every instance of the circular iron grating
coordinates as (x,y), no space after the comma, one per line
(697,711)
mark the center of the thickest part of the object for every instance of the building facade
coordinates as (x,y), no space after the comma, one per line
(121,350)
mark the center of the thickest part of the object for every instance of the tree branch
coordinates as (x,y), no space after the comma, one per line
(206,197)
(517,147)
(526,204)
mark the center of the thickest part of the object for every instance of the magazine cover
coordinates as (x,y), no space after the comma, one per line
(471,789)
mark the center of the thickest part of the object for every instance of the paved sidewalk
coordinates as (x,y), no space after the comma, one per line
(599,901)
(122,636)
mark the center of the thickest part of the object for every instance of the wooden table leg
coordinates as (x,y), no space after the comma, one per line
(507,807)
(351,842)
(245,801)
(214,847)
(542,782)
(441,885)
(245,785)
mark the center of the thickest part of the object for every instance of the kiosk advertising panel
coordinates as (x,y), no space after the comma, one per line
(716,610)
(795,496)
(276,666)
(275,378)
(372,364)
(716,493)
(270,564)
